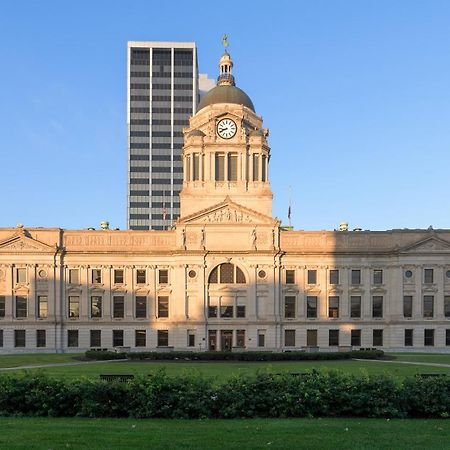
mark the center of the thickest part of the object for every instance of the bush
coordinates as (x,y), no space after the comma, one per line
(104,355)
(236,356)
(312,394)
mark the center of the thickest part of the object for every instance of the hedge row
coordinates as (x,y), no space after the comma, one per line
(315,394)
(236,356)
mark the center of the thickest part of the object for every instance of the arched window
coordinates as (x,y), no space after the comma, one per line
(227,273)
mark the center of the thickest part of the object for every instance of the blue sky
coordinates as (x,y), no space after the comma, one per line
(355,94)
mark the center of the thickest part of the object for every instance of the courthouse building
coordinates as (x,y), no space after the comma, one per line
(226,276)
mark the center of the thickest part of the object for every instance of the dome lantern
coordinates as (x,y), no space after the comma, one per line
(226,90)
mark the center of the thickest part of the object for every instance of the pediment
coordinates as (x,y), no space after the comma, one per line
(227,212)
(23,243)
(431,244)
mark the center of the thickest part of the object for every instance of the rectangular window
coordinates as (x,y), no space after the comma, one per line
(240,338)
(21,307)
(407,305)
(96,306)
(311,338)
(333,338)
(1,338)
(447,337)
(255,167)
(261,338)
(141,307)
(40,338)
(290,276)
(21,275)
(447,305)
(312,276)
(289,338)
(289,307)
(2,306)
(377,276)
(333,307)
(428,338)
(19,338)
(118,307)
(334,276)
(74,306)
(74,276)
(118,276)
(163,338)
(163,276)
(140,276)
(42,308)
(377,306)
(356,276)
(196,167)
(220,167)
(96,338)
(212,311)
(377,338)
(355,338)
(117,338)
(191,338)
(96,276)
(428,276)
(264,168)
(355,306)
(232,166)
(408,337)
(240,311)
(226,310)
(188,168)
(72,338)
(428,306)
(163,306)
(311,306)
(140,338)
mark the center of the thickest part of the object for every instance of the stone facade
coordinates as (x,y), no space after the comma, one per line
(227,275)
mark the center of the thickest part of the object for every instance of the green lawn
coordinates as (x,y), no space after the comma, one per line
(222,369)
(42,433)
(36,359)
(443,358)
(225,369)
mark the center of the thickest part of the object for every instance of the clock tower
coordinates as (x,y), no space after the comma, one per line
(225,153)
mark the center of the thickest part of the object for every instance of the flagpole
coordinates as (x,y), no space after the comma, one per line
(164,212)
(290,206)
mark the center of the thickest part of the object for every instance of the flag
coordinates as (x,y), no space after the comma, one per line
(164,211)
(289,212)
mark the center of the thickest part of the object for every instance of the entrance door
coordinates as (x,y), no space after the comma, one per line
(212,340)
(226,340)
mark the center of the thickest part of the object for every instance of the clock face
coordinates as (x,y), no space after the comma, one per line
(226,128)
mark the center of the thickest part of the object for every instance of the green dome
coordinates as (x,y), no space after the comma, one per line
(226,94)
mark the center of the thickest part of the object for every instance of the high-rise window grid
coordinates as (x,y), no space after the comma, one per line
(162,95)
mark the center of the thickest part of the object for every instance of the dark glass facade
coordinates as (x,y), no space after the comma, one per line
(163,94)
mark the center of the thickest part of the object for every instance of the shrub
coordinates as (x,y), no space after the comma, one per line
(312,394)
(236,356)
(104,355)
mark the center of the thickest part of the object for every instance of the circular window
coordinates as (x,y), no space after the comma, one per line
(408,274)
(447,274)
(262,274)
(42,273)
(192,274)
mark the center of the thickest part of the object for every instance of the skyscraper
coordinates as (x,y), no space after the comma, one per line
(162,94)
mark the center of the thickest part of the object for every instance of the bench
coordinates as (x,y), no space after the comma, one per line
(116,377)
(430,375)
(293,374)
